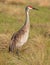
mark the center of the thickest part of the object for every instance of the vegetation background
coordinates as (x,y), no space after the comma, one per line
(12,16)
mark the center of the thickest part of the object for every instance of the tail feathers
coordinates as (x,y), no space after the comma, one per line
(10,48)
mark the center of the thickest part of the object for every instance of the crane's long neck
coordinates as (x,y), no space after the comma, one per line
(26,25)
(27,17)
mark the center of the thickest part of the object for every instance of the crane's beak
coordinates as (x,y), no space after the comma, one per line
(35,8)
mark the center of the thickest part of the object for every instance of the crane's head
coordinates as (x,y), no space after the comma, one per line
(30,7)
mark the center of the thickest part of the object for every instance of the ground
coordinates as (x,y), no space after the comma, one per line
(36,51)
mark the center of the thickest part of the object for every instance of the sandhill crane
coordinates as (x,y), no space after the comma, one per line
(19,39)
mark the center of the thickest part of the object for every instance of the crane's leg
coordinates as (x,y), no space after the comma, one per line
(18,52)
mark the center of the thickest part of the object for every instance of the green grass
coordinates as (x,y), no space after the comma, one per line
(8,23)
(38,44)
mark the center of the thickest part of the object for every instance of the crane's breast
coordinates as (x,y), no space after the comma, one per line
(23,39)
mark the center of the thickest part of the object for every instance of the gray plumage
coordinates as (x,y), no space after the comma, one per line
(20,38)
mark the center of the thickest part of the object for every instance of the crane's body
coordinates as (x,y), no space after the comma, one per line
(20,38)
